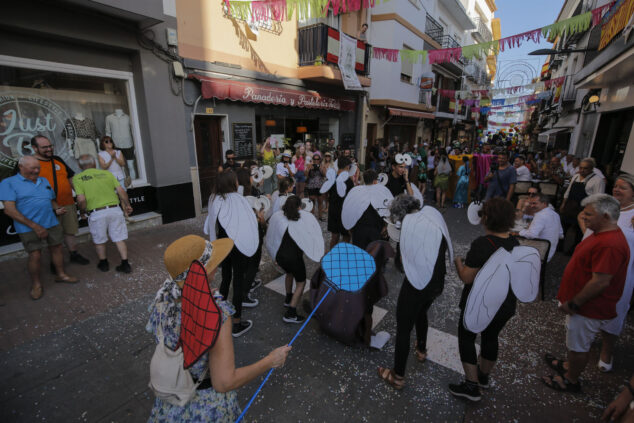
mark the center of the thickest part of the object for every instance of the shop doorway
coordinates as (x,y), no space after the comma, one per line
(371,130)
(207,130)
(610,142)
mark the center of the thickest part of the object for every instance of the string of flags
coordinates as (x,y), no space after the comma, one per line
(280,10)
(571,26)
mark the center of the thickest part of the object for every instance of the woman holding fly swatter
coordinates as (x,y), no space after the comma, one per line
(185,304)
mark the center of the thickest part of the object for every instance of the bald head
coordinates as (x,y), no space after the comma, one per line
(29,167)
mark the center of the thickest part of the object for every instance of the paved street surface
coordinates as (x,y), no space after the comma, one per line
(81,353)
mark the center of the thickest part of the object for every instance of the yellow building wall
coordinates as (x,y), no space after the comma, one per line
(206,34)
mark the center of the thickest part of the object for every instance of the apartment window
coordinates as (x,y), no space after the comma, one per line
(331,20)
(407,68)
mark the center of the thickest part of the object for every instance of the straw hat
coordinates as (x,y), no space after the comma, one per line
(180,253)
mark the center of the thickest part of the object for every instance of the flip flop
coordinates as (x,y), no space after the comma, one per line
(568,386)
(66,279)
(36,293)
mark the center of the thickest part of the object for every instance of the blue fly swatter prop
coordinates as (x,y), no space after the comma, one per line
(347,268)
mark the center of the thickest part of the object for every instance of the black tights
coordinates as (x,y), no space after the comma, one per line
(411,310)
(489,338)
(235,265)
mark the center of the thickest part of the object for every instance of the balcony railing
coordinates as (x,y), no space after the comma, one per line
(447,41)
(313,48)
(433,29)
(482,33)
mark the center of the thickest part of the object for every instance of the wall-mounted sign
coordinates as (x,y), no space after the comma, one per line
(243,139)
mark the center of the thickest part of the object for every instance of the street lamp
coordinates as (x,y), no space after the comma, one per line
(548,51)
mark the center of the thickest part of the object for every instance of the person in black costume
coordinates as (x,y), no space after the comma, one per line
(335,227)
(370,226)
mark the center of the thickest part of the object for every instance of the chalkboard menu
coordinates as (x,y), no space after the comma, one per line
(243,140)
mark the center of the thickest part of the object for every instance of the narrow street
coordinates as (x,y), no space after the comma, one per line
(81,352)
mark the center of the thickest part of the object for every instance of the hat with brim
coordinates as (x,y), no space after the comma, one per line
(180,254)
(287,153)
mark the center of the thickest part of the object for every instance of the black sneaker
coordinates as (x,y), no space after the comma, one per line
(124,267)
(255,285)
(103,265)
(75,257)
(291,316)
(287,300)
(468,390)
(250,302)
(483,380)
(241,328)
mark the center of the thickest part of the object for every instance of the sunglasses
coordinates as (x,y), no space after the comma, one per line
(532,194)
(107,142)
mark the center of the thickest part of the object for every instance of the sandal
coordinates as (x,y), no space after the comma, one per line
(36,293)
(421,356)
(391,378)
(568,386)
(605,367)
(559,367)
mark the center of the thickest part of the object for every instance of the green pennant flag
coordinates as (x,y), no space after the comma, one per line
(480,50)
(574,25)
(414,56)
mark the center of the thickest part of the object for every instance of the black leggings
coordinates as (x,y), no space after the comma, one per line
(252,268)
(411,309)
(489,337)
(235,265)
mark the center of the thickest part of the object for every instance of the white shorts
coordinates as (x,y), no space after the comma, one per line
(581,331)
(107,222)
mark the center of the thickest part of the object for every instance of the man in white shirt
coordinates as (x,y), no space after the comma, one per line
(568,164)
(546,223)
(523,173)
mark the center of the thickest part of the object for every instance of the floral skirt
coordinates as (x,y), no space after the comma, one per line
(206,407)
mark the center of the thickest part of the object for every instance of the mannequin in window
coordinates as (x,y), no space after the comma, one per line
(118,127)
(85,135)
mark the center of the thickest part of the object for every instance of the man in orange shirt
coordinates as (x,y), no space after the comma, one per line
(59,176)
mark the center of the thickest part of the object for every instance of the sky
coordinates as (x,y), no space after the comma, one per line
(516,17)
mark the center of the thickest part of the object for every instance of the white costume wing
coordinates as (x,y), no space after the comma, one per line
(275,232)
(490,288)
(420,243)
(435,216)
(308,236)
(279,202)
(380,197)
(355,204)
(237,218)
(525,268)
(416,194)
(341,183)
(331,177)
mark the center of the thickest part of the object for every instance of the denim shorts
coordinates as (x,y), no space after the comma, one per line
(300,176)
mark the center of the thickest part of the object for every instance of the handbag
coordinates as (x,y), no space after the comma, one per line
(169,380)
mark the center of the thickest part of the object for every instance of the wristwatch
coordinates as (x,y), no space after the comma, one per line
(573,307)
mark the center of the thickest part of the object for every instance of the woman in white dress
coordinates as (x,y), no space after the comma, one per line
(112,160)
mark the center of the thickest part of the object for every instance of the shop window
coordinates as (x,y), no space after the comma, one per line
(73,110)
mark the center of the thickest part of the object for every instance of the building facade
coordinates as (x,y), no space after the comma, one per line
(248,81)
(75,71)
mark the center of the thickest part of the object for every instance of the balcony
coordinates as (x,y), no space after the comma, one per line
(482,33)
(433,29)
(447,41)
(316,63)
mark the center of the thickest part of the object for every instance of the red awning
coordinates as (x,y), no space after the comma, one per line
(225,89)
(410,113)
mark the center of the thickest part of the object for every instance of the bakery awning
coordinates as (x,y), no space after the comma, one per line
(249,92)
(393,111)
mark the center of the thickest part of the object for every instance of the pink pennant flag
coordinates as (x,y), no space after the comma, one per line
(516,40)
(444,55)
(447,93)
(389,54)
(598,13)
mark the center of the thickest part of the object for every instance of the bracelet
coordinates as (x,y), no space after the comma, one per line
(629,387)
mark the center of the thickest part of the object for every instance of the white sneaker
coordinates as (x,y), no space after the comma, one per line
(250,302)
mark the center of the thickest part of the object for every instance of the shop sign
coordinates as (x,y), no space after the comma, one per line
(24,115)
(223,89)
